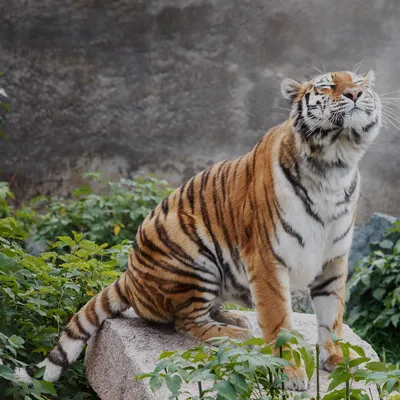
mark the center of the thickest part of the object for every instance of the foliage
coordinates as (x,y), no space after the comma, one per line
(39,294)
(235,369)
(232,369)
(109,217)
(374,308)
(5,195)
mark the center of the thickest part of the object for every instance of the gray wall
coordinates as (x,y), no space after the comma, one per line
(171,86)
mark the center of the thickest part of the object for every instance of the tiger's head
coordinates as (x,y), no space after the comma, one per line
(335,112)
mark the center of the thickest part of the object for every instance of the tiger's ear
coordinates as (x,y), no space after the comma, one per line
(290,89)
(370,77)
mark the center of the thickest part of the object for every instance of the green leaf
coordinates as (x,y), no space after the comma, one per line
(4,136)
(377,377)
(67,240)
(174,383)
(7,373)
(358,361)
(155,383)
(239,382)
(226,390)
(82,191)
(376,366)
(167,354)
(283,337)
(254,342)
(48,387)
(336,395)
(379,293)
(338,378)
(386,244)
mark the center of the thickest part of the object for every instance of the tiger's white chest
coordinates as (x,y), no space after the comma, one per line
(319,237)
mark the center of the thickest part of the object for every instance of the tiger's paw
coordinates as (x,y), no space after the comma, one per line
(297,379)
(231,318)
(331,356)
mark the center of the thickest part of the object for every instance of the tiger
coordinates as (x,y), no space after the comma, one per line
(250,229)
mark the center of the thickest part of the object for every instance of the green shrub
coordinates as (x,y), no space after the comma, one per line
(109,217)
(5,195)
(38,296)
(231,369)
(236,369)
(374,290)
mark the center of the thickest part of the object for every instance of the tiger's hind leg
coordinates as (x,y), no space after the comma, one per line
(230,317)
(202,326)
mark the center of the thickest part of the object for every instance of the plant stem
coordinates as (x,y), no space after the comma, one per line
(347,390)
(200,390)
(283,384)
(258,384)
(271,391)
(317,362)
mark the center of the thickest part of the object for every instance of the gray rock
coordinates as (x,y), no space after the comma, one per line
(127,346)
(366,233)
(170,86)
(301,301)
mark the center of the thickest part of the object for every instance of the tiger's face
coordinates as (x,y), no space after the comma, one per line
(335,105)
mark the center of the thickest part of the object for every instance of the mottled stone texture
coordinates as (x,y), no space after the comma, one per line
(172,86)
(125,347)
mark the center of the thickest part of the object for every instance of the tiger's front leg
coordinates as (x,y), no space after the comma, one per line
(327,294)
(270,286)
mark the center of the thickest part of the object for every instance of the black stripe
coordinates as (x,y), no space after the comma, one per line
(270,214)
(190,301)
(323,285)
(339,215)
(58,356)
(324,293)
(82,330)
(31,370)
(206,220)
(367,128)
(158,264)
(212,326)
(164,205)
(302,193)
(190,194)
(119,292)
(276,256)
(184,288)
(349,191)
(344,234)
(286,226)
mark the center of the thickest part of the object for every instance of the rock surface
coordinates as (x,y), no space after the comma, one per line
(170,86)
(366,233)
(127,346)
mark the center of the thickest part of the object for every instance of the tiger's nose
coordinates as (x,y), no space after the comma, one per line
(353,93)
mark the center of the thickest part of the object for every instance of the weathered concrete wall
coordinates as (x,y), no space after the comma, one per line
(171,86)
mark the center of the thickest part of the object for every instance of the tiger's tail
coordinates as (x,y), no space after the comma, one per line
(107,304)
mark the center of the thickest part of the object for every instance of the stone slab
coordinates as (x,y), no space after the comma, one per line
(127,346)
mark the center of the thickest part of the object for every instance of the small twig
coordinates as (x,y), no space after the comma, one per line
(258,385)
(15,173)
(370,394)
(200,390)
